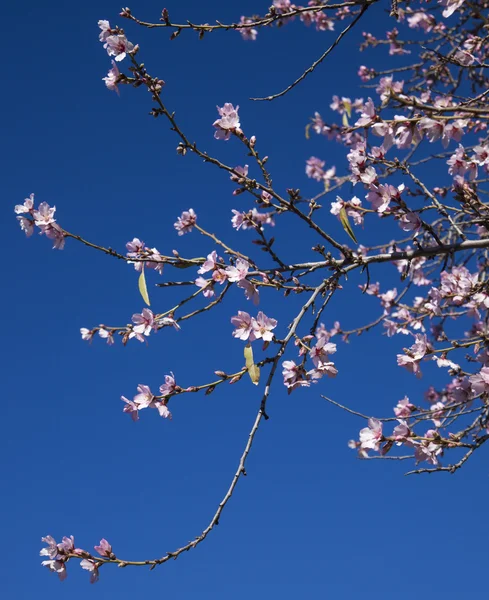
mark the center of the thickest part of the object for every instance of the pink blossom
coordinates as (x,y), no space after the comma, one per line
(294,375)
(207,285)
(262,327)
(169,387)
(320,352)
(242,173)
(67,545)
(381,196)
(145,398)
(167,322)
(410,222)
(480,382)
(112,78)
(365,73)
(282,6)
(463,57)
(118,46)
(250,290)
(404,408)
(163,410)
(431,395)
(450,6)
(428,450)
(186,221)
(27,207)
(51,549)
(387,87)
(106,335)
(314,168)
(453,130)
(323,22)
(57,566)
(371,436)
(460,165)
(401,432)
(44,215)
(240,220)
(54,232)
(262,218)
(350,208)
(481,156)
(26,225)
(87,334)
(130,408)
(395,46)
(228,123)
(432,129)
(105,30)
(388,298)
(239,271)
(248,33)
(144,322)
(243,324)
(368,116)
(92,567)
(440,408)
(421,20)
(323,368)
(210,263)
(416,352)
(219,276)
(134,248)
(104,548)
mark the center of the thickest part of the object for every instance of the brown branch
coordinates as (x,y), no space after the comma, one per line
(321,58)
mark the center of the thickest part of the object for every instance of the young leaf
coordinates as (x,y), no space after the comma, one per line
(248,354)
(142,287)
(254,373)
(346,224)
(253,370)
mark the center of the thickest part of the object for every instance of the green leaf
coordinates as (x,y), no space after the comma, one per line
(308,127)
(254,373)
(346,224)
(142,287)
(253,370)
(345,120)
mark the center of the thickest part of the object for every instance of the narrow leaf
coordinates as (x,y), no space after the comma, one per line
(248,354)
(346,224)
(253,370)
(142,287)
(254,373)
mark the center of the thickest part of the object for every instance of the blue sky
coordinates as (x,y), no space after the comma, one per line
(310,520)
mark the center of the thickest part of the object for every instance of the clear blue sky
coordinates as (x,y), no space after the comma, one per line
(310,520)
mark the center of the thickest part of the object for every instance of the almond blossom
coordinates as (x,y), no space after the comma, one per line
(228,122)
(118,46)
(371,436)
(112,78)
(186,221)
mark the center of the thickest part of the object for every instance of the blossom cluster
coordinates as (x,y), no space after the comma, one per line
(143,324)
(118,46)
(319,19)
(58,555)
(43,217)
(251,328)
(146,399)
(297,375)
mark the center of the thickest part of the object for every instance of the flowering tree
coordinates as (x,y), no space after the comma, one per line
(427,118)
